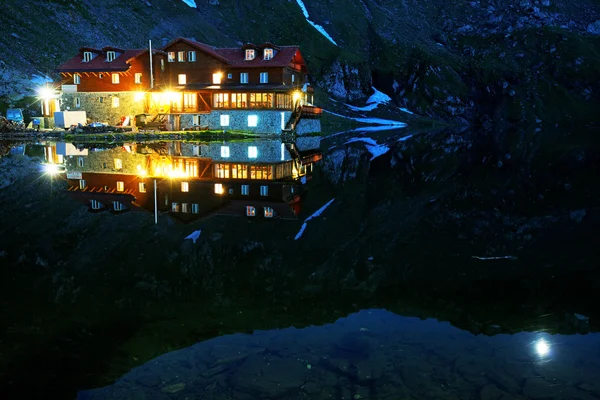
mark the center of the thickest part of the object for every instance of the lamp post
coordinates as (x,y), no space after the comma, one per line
(155,205)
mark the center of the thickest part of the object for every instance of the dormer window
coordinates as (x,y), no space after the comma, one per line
(250,54)
(110,56)
(87,56)
(268,54)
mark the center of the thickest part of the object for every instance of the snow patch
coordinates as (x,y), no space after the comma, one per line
(374,148)
(194,235)
(314,215)
(317,27)
(373,102)
(375,121)
(191,3)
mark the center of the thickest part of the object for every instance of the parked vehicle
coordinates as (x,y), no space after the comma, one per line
(15,114)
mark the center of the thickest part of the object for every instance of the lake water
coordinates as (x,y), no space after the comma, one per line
(388,264)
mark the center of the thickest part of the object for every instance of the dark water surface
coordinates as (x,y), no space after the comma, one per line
(375,265)
(371,354)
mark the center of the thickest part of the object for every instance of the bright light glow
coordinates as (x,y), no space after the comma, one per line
(143,172)
(252,151)
(542,347)
(45,93)
(138,96)
(252,120)
(296,96)
(217,78)
(218,188)
(51,169)
(171,96)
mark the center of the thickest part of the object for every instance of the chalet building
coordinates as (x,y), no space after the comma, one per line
(259,88)
(109,83)
(258,179)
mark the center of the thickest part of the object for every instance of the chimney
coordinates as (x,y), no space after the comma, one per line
(164,41)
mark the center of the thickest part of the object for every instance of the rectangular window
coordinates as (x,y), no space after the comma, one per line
(230,76)
(224,120)
(118,163)
(138,78)
(82,184)
(190,102)
(115,102)
(110,56)
(264,190)
(162,65)
(218,188)
(96,205)
(250,211)
(142,187)
(239,100)
(118,206)
(80,162)
(268,212)
(217,78)
(76,79)
(195,208)
(171,56)
(293,77)
(252,151)
(181,56)
(221,100)
(224,151)
(268,54)
(195,148)
(185,186)
(243,77)
(264,77)
(185,207)
(249,54)
(115,78)
(252,120)
(77,102)
(120,186)
(239,171)
(87,56)
(181,79)
(245,190)
(175,207)
(192,56)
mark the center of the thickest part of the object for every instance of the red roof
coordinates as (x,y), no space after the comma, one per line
(282,58)
(235,57)
(99,63)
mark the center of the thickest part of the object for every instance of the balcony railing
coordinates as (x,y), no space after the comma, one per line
(311,112)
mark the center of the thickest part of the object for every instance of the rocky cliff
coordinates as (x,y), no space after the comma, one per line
(469,61)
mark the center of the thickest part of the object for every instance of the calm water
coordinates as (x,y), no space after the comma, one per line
(371,354)
(365,265)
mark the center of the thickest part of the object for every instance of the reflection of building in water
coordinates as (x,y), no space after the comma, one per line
(258,179)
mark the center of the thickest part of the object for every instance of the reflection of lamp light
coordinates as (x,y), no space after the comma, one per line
(51,169)
(542,347)
(296,96)
(138,96)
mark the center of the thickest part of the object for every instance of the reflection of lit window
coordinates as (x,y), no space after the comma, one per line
(118,163)
(115,102)
(185,186)
(76,79)
(264,190)
(110,56)
(252,152)
(175,207)
(142,187)
(268,54)
(224,151)
(185,207)
(87,56)
(181,79)
(218,188)
(245,190)
(224,120)
(250,211)
(118,206)
(268,212)
(115,78)
(82,184)
(96,205)
(138,77)
(120,186)
(249,54)
(252,120)
(195,209)
(80,161)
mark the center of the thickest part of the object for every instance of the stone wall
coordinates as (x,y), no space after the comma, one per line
(269,121)
(306,125)
(99,105)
